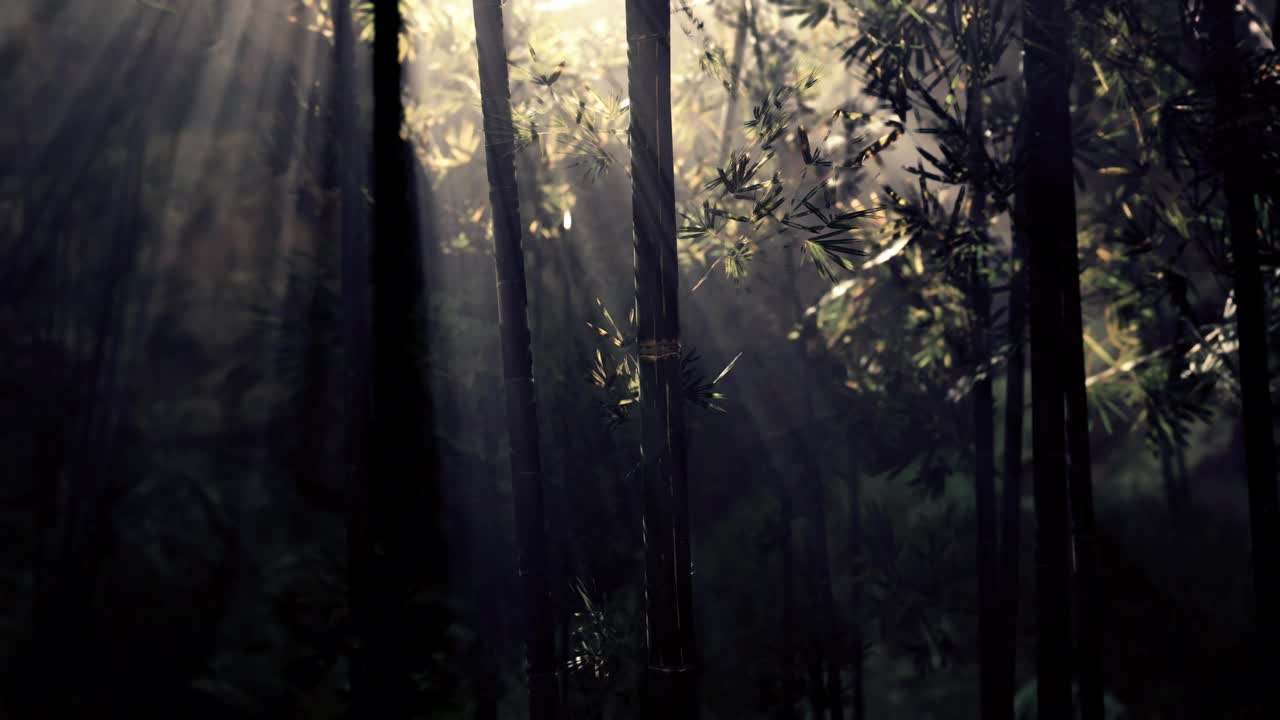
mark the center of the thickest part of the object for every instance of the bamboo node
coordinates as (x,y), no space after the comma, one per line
(659,349)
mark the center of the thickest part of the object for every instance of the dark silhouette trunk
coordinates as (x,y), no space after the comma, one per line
(1081,483)
(1236,157)
(788,652)
(329,130)
(828,627)
(1045,179)
(831,639)
(487,582)
(1173,470)
(517,359)
(855,640)
(1011,500)
(569,358)
(813,623)
(823,660)
(397,548)
(549,325)
(670,687)
(983,403)
(355,346)
(354,271)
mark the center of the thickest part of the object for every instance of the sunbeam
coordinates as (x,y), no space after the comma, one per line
(550,359)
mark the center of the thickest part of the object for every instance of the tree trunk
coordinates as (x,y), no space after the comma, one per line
(987,550)
(1172,461)
(397,546)
(1081,484)
(835,689)
(816,628)
(824,642)
(1011,510)
(1046,181)
(488,582)
(355,347)
(517,359)
(355,261)
(788,608)
(855,603)
(1251,328)
(668,578)
(570,353)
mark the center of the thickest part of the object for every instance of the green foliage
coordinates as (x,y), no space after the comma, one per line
(747,206)
(579,129)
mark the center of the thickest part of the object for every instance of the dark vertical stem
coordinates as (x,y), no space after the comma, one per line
(517,358)
(830,627)
(855,641)
(1011,500)
(398,548)
(1081,485)
(983,402)
(668,577)
(355,255)
(813,625)
(488,583)
(831,638)
(570,353)
(788,608)
(309,448)
(1045,179)
(1251,329)
(1080,478)
(1170,452)
(823,660)
(353,274)
(355,344)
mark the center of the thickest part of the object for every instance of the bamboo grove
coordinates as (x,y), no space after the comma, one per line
(797,359)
